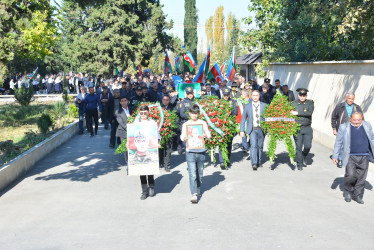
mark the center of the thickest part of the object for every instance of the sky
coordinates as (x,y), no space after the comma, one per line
(174,9)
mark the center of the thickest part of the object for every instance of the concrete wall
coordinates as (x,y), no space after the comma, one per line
(26,161)
(328,83)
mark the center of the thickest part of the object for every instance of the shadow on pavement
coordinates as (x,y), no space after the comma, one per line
(339,182)
(282,158)
(167,182)
(210,181)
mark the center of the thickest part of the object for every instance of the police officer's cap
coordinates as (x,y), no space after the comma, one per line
(247,84)
(138,88)
(302,91)
(234,85)
(189,90)
(144,87)
(207,83)
(203,88)
(138,135)
(267,80)
(105,87)
(169,89)
(226,91)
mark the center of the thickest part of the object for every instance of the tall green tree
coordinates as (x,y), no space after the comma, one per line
(190,27)
(104,34)
(27,30)
(218,35)
(312,30)
(209,31)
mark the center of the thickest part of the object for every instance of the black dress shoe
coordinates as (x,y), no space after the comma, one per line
(95,132)
(260,166)
(304,161)
(222,165)
(111,145)
(300,168)
(347,196)
(254,167)
(92,135)
(358,200)
(179,151)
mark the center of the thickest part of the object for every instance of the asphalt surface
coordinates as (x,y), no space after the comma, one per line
(80,197)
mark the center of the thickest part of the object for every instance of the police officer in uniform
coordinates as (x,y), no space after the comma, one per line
(235,93)
(226,95)
(184,107)
(303,109)
(138,97)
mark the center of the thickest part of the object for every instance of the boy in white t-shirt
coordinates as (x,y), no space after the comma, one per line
(195,157)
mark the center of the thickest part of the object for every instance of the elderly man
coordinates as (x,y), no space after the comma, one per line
(289,93)
(356,139)
(342,114)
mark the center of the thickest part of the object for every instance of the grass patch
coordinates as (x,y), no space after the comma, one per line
(19,124)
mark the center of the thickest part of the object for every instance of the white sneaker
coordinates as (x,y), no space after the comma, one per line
(194,198)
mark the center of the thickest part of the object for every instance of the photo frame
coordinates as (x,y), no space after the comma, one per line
(142,152)
(195,138)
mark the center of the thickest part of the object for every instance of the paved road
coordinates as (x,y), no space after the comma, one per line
(80,198)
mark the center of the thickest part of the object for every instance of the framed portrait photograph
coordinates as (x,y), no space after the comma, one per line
(142,149)
(195,139)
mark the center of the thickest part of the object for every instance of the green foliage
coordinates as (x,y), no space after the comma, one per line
(190,27)
(280,130)
(27,30)
(73,111)
(58,113)
(311,30)
(65,88)
(24,95)
(102,35)
(6,147)
(44,122)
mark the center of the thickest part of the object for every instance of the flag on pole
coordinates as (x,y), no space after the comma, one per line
(232,67)
(167,65)
(215,73)
(139,68)
(223,67)
(189,61)
(207,62)
(116,71)
(200,75)
(122,73)
(177,62)
(34,73)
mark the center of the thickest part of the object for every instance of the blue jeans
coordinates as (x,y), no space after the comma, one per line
(257,144)
(195,162)
(245,143)
(81,118)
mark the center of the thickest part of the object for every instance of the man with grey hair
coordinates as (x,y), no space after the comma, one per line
(355,139)
(342,114)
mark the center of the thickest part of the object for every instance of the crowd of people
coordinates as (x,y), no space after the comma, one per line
(114,101)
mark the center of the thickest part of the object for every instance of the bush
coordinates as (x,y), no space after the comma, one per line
(58,113)
(24,95)
(44,122)
(73,111)
(6,147)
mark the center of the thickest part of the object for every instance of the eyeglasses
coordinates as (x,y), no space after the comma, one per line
(143,112)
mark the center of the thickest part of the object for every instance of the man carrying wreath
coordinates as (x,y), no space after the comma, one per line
(251,118)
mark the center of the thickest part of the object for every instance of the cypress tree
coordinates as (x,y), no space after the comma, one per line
(190,27)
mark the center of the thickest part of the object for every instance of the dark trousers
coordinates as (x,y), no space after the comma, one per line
(257,138)
(113,129)
(164,155)
(229,149)
(356,172)
(303,138)
(151,180)
(92,114)
(105,116)
(81,119)
(180,144)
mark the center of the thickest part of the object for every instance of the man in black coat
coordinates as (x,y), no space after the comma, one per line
(164,153)
(289,93)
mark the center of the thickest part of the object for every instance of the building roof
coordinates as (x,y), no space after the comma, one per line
(248,59)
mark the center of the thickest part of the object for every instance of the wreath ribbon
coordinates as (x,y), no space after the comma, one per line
(210,123)
(277,119)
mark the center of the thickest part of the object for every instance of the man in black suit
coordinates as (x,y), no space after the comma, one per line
(288,93)
(164,153)
(209,90)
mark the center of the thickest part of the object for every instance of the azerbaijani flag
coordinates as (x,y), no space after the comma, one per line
(207,61)
(223,67)
(34,73)
(200,76)
(122,73)
(177,62)
(189,61)
(139,68)
(167,65)
(215,73)
(232,67)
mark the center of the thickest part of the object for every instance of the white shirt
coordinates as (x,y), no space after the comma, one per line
(127,111)
(255,119)
(184,132)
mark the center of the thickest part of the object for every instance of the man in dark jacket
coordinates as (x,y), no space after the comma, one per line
(90,104)
(288,93)
(105,98)
(113,106)
(164,153)
(342,114)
